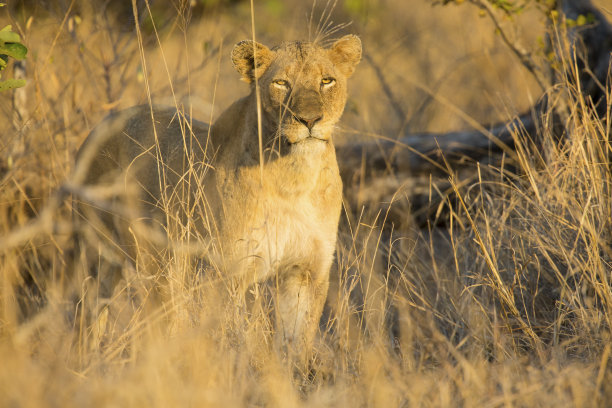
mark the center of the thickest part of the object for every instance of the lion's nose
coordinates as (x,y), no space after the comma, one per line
(309,122)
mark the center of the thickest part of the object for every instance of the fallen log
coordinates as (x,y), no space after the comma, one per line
(419,153)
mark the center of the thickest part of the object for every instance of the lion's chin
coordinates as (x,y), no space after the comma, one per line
(308,139)
(308,145)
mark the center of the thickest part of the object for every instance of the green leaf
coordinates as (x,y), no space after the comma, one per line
(11,84)
(8,36)
(585,19)
(15,50)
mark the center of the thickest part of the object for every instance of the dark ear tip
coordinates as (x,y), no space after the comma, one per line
(240,47)
(242,43)
(244,58)
(241,50)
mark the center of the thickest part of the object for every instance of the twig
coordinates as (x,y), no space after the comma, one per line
(386,89)
(523,55)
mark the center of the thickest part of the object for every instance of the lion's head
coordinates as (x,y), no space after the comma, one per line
(302,85)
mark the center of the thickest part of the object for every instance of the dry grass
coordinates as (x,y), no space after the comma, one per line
(509,304)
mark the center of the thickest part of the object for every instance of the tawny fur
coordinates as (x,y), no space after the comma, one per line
(268,204)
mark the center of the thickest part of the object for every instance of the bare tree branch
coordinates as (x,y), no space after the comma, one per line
(425,152)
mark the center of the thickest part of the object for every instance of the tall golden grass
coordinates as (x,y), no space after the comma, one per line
(508,304)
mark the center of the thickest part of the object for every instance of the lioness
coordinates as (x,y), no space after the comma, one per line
(261,184)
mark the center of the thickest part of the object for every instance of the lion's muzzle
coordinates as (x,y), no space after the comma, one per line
(307,107)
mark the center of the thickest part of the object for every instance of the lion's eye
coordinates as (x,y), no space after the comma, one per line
(281,83)
(327,82)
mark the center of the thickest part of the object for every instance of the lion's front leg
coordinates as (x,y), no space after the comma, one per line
(301,295)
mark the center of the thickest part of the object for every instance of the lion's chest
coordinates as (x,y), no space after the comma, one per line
(281,222)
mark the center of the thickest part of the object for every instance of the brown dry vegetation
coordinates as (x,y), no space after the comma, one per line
(502,297)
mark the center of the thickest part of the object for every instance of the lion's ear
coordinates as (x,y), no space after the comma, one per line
(251,59)
(346,54)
